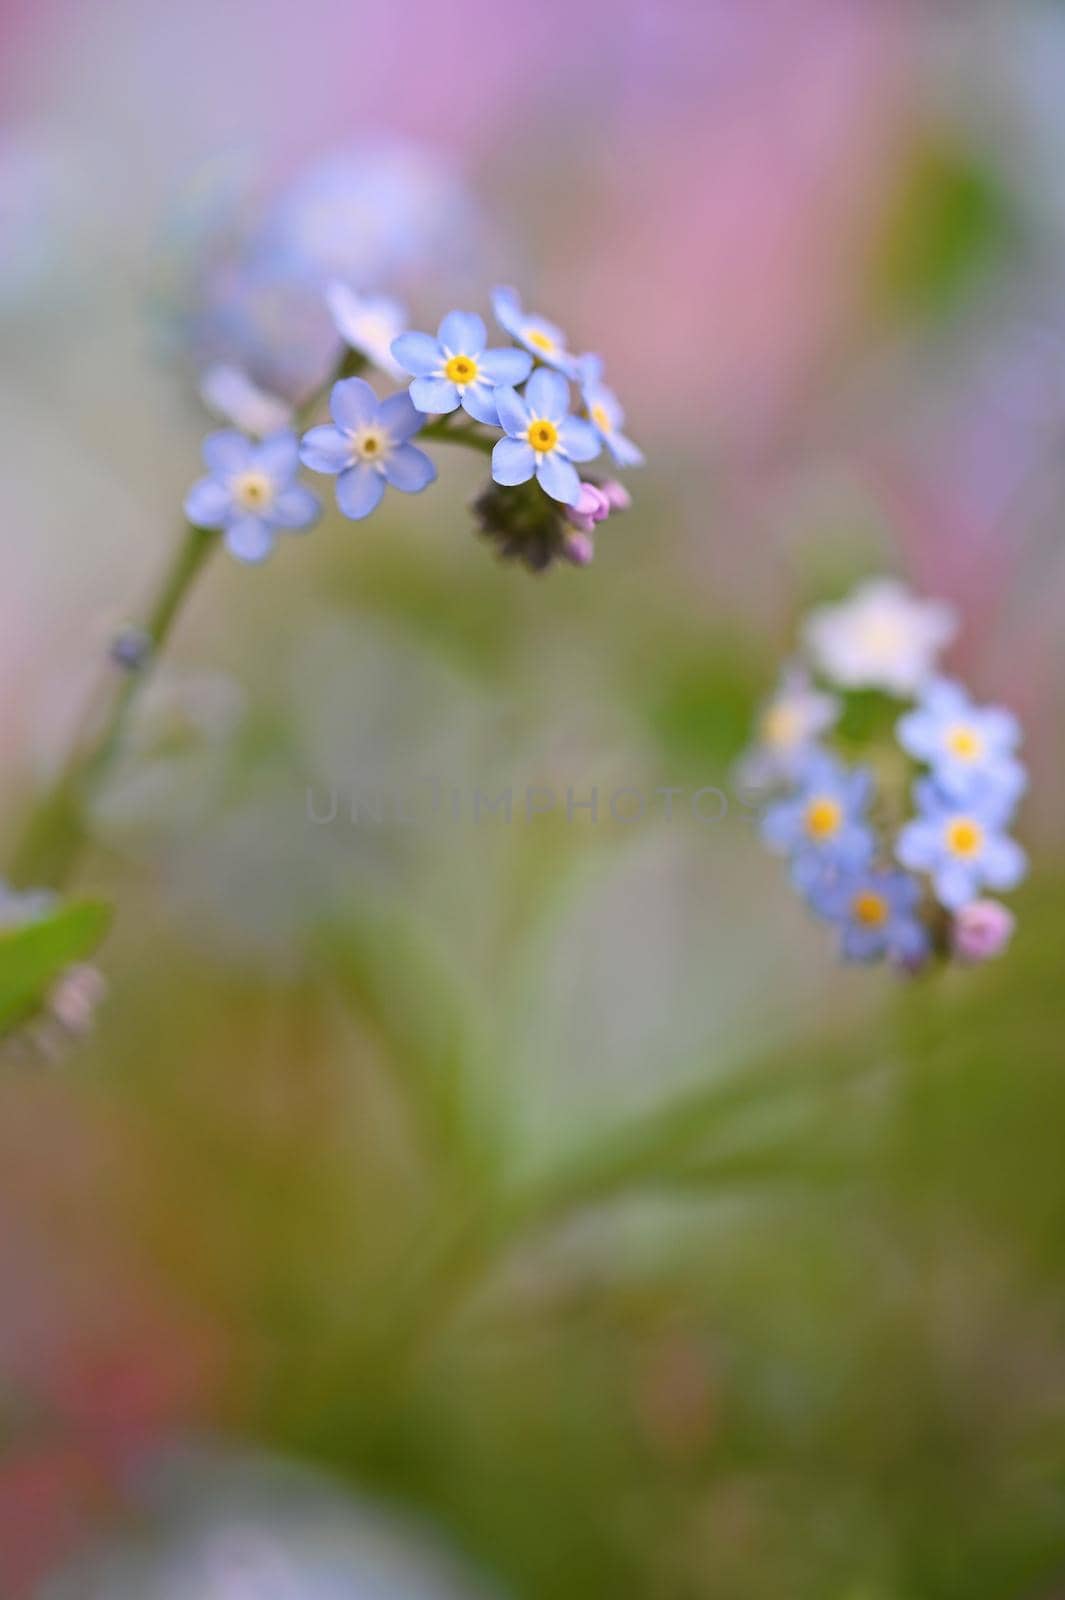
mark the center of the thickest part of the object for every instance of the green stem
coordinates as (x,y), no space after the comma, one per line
(688,1143)
(447,432)
(56,833)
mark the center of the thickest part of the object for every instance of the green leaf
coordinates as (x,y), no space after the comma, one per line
(948,221)
(32,956)
(391,971)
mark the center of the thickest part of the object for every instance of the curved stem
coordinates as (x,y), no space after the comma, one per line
(56,833)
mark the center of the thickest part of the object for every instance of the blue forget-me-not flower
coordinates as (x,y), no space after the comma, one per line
(367,446)
(251,492)
(543,438)
(455,369)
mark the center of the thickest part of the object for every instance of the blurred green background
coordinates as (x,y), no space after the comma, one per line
(547,1183)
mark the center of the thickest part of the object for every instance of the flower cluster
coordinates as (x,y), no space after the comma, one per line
(895,850)
(512,401)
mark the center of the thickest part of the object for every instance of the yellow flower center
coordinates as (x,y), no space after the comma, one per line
(540,341)
(370,444)
(823,817)
(461,370)
(253,491)
(542,435)
(781,726)
(965,837)
(870,909)
(600,418)
(964,742)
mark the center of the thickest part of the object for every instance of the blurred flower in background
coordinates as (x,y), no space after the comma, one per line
(213,1525)
(544,1182)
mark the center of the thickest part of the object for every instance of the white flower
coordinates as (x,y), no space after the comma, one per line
(368,323)
(880,638)
(789,725)
(231,395)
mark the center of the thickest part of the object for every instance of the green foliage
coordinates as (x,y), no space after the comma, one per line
(703,699)
(948,221)
(33,956)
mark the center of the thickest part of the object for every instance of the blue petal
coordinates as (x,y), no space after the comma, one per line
(625,453)
(359,491)
(1000,727)
(326,449)
(562,360)
(278,456)
(1004,863)
(207,504)
(409,469)
(505,366)
(506,308)
(513,461)
(400,417)
(250,539)
(226,452)
(779,825)
(909,941)
(862,944)
(559,478)
(352,403)
(811,873)
(514,415)
(854,847)
(902,891)
(479,402)
(590,369)
(955,885)
(599,398)
(418,353)
(918,846)
(917,732)
(946,698)
(463,333)
(579,440)
(434,396)
(547,395)
(856,788)
(296,507)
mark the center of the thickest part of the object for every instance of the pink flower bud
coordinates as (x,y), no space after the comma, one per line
(617,496)
(592,507)
(982,930)
(579,549)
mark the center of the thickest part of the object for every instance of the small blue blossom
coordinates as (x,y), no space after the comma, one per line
(233,397)
(604,409)
(251,492)
(822,826)
(547,343)
(877,910)
(961,842)
(368,323)
(454,368)
(367,447)
(788,727)
(543,439)
(967,747)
